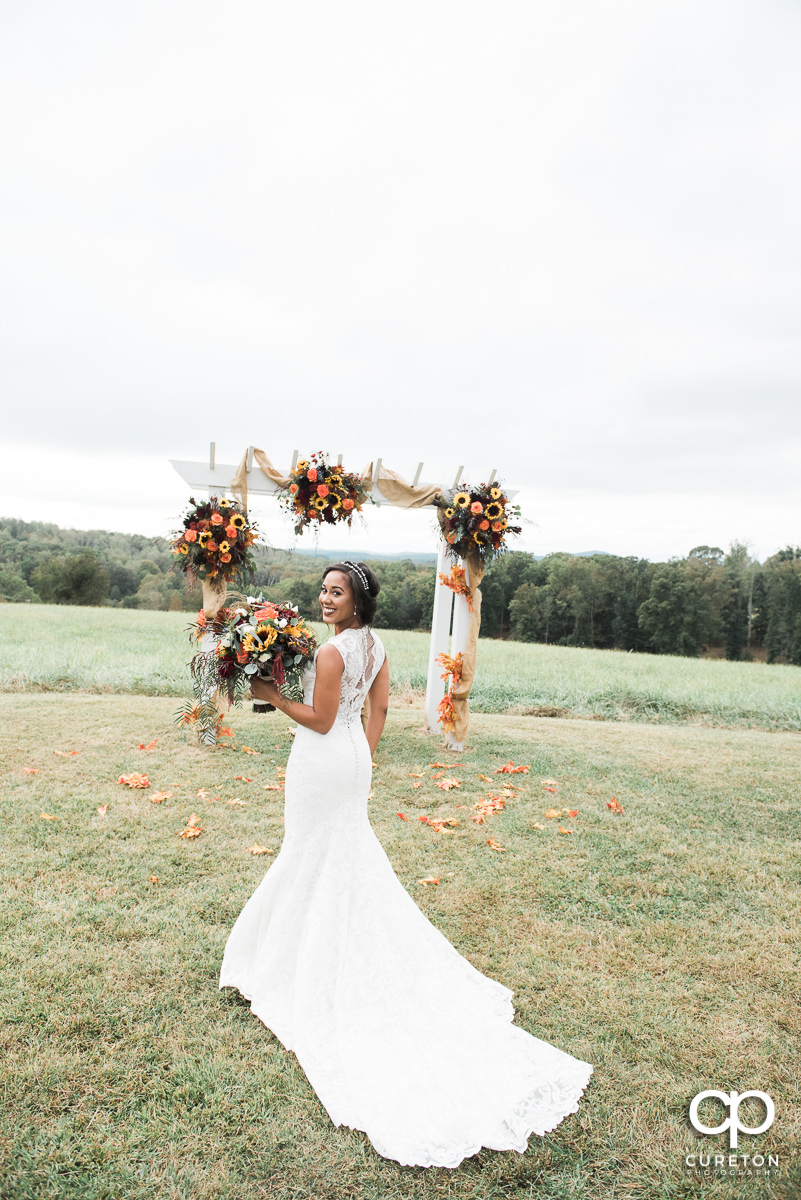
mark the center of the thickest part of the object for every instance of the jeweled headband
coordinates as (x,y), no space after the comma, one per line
(362,577)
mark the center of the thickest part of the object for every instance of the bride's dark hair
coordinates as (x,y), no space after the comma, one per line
(363,584)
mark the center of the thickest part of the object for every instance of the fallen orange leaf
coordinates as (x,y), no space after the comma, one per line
(447,784)
(573,812)
(193,827)
(142,745)
(493,845)
(485,778)
(415,774)
(241,803)
(47,817)
(102,809)
(510,769)
(561,830)
(402,816)
(248,750)
(554,812)
(447,766)
(67,753)
(273,787)
(432,879)
(244,778)
(135,780)
(154,878)
(549,783)
(417,785)
(32,770)
(550,789)
(438,823)
(538,825)
(225,732)
(613,804)
(486,808)
(257,849)
(157,797)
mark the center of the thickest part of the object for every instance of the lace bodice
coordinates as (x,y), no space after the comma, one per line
(363,656)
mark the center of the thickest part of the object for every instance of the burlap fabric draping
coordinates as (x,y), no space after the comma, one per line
(213,592)
(399,492)
(239,483)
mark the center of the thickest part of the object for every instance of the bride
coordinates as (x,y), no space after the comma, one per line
(399,1036)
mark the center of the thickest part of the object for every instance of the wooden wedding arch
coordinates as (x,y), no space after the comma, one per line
(454,626)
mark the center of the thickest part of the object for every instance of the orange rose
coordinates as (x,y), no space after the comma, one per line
(497,527)
(190,535)
(347,504)
(322,490)
(231,532)
(217,519)
(476,507)
(212,545)
(484,525)
(266,613)
(293,487)
(312,474)
(225,558)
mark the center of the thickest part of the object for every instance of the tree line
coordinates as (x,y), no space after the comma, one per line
(710,599)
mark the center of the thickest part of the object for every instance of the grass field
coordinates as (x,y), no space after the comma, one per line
(661,945)
(49,648)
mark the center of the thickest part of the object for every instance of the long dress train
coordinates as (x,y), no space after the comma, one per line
(399,1036)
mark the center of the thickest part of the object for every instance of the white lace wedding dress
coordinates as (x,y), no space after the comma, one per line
(398,1034)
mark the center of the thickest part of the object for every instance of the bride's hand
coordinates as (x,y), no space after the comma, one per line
(260,689)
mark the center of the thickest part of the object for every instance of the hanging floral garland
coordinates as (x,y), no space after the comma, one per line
(215,542)
(446,713)
(456,580)
(318,492)
(477,521)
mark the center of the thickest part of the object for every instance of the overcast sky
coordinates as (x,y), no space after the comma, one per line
(556,238)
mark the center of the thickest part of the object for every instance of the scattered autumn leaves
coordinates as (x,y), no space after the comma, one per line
(486,807)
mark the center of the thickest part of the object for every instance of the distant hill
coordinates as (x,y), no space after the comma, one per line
(414,556)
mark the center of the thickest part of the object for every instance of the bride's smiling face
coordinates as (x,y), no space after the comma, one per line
(336,599)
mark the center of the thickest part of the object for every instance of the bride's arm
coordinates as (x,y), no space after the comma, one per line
(321,713)
(379,706)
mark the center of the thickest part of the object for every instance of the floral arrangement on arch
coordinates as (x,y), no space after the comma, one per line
(318,492)
(215,542)
(477,521)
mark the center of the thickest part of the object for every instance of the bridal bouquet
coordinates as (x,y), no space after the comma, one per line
(320,492)
(215,542)
(253,638)
(477,521)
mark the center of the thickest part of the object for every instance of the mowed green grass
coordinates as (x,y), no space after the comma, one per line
(660,945)
(61,649)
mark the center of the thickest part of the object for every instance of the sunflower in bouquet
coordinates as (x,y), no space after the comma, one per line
(319,493)
(216,541)
(252,638)
(477,521)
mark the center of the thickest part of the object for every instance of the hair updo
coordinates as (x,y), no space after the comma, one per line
(363,584)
